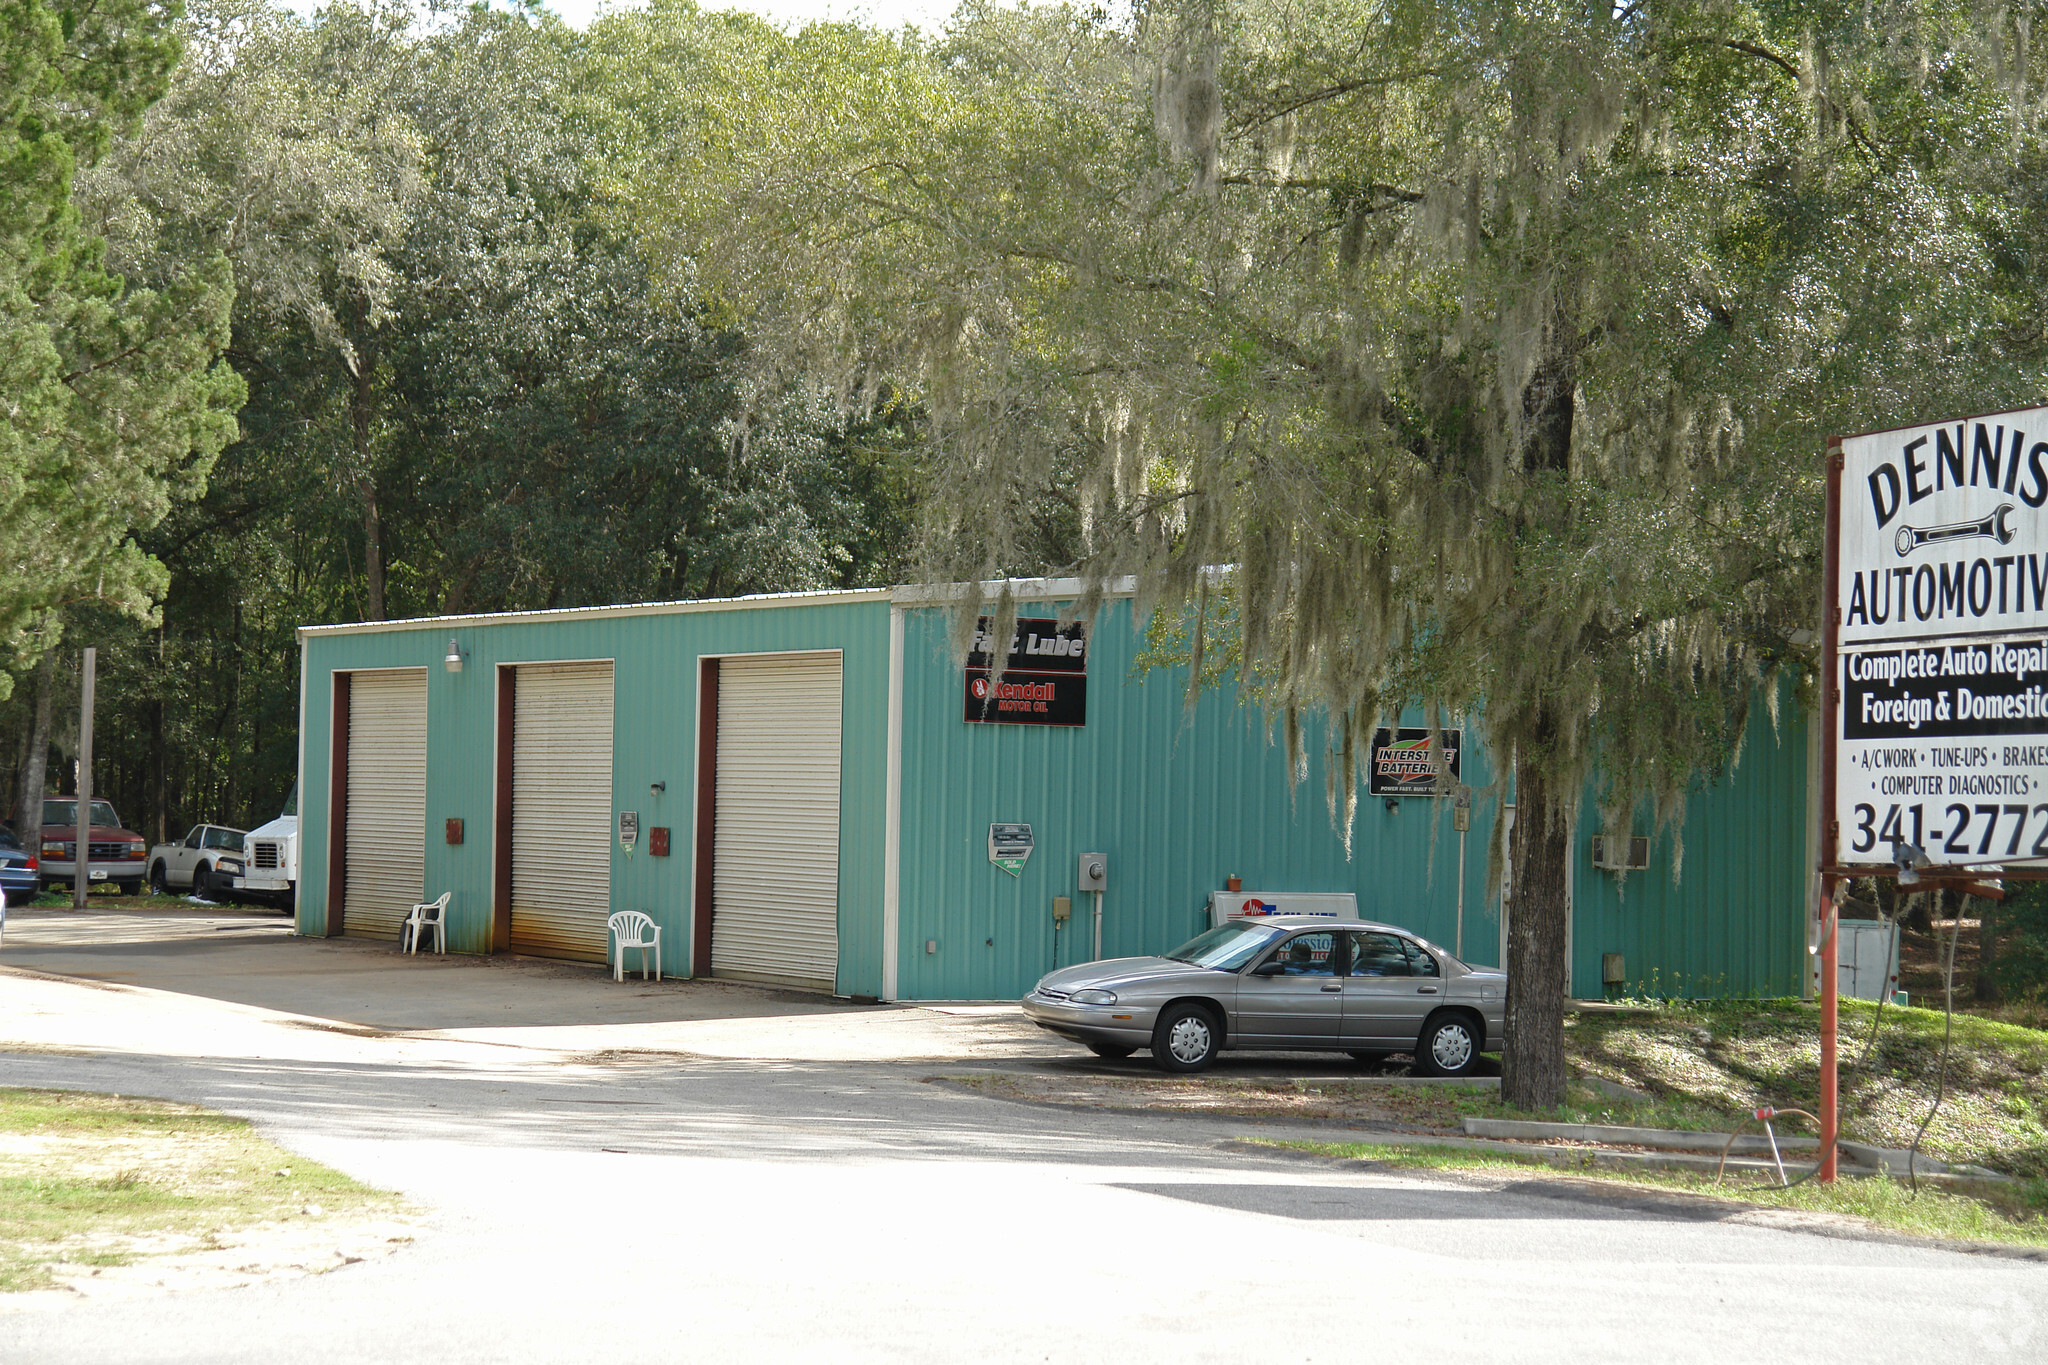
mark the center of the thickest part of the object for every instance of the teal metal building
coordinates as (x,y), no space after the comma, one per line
(800,789)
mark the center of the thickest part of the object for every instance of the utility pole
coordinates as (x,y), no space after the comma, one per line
(81,858)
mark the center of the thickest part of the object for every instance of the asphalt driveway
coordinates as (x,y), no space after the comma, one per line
(590,1201)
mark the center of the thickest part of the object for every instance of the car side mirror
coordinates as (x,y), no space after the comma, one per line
(1273,968)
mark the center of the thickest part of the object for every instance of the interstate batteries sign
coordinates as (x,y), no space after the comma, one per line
(1044,682)
(1941,642)
(1407,763)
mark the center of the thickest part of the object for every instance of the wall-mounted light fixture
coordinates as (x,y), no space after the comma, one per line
(456,654)
(657,786)
(1393,804)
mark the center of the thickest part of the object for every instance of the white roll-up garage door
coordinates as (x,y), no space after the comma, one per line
(562,809)
(386,853)
(775,865)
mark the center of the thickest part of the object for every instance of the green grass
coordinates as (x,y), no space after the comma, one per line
(1705,1064)
(107,896)
(99,1180)
(2015,1216)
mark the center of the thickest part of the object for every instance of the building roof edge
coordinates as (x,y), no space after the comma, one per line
(756,600)
(902,595)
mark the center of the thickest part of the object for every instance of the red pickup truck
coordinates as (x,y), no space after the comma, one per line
(116,854)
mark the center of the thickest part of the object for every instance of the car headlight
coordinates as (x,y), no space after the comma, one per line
(1092,996)
(230,865)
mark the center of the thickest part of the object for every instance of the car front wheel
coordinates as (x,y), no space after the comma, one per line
(1449,1046)
(1185,1039)
(202,882)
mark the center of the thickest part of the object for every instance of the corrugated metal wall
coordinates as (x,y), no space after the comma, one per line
(655,711)
(1735,921)
(1178,803)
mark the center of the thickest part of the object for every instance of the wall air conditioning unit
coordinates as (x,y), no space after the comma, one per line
(1630,855)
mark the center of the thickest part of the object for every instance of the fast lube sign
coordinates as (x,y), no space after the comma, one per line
(1938,626)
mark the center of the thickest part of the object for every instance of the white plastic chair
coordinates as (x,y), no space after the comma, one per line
(432,915)
(645,933)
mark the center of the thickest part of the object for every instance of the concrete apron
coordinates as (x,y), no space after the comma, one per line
(219,980)
(207,980)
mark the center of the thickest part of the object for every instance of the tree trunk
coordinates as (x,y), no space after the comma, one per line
(159,817)
(1539,908)
(231,737)
(1532,1061)
(1987,953)
(16,761)
(35,767)
(1920,912)
(361,403)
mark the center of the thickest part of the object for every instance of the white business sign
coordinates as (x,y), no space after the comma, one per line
(1941,595)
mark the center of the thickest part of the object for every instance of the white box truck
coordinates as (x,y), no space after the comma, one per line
(1225,906)
(271,872)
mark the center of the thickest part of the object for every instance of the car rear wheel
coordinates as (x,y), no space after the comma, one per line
(1449,1046)
(1186,1038)
(156,879)
(1114,1051)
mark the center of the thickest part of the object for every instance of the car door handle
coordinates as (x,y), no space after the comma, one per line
(1332,990)
(1425,990)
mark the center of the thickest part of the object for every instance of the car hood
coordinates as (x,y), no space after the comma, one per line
(282,827)
(1116,971)
(101,834)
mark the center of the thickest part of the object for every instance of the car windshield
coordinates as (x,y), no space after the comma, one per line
(66,813)
(7,839)
(1227,947)
(224,838)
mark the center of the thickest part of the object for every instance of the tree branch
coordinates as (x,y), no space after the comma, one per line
(1265,179)
(1791,68)
(1296,103)
(1759,50)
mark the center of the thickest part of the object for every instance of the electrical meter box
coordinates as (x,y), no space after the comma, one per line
(1225,906)
(1093,873)
(1868,961)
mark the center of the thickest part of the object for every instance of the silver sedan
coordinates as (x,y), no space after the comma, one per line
(1282,983)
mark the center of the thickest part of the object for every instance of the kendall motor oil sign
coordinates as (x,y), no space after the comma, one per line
(1940,637)
(1043,682)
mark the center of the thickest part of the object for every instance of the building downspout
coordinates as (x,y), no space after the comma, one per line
(892,817)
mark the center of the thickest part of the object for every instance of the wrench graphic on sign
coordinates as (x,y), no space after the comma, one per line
(1911,539)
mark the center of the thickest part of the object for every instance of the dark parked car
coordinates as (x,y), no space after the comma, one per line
(18,878)
(116,855)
